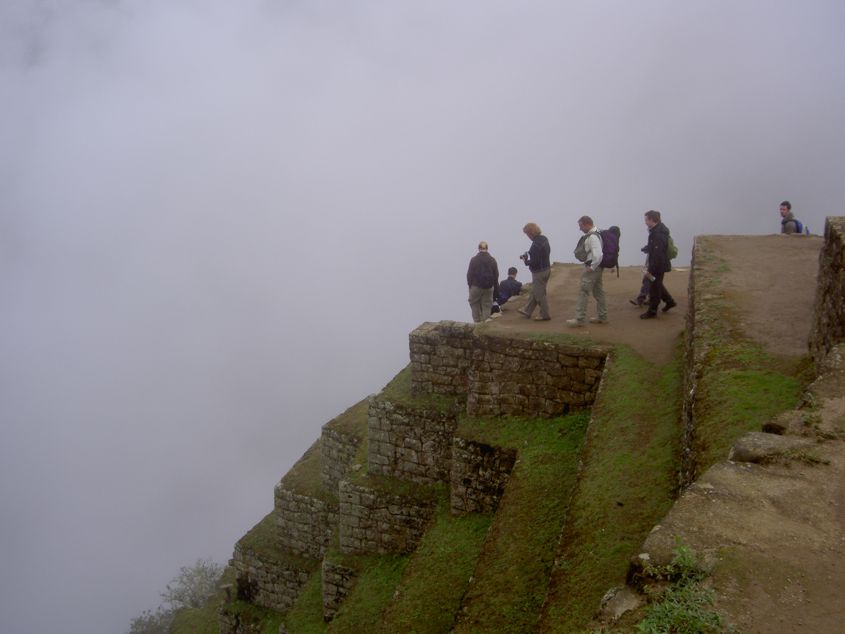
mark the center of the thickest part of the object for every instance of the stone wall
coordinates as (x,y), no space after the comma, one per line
(502,376)
(828,327)
(272,583)
(337,582)
(479,475)
(441,356)
(305,523)
(409,443)
(372,521)
(338,453)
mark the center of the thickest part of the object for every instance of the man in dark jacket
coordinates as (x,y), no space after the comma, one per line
(658,264)
(483,282)
(509,287)
(538,260)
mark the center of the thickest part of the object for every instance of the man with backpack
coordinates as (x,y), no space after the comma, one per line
(589,251)
(483,282)
(657,254)
(789,223)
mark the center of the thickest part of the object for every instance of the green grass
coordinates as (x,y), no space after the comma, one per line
(306,615)
(253,616)
(511,577)
(437,575)
(685,606)
(373,591)
(399,391)
(626,485)
(742,388)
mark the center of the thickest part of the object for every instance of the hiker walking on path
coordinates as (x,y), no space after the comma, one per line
(538,261)
(658,264)
(589,251)
(483,282)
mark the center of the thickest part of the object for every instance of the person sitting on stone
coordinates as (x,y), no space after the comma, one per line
(509,287)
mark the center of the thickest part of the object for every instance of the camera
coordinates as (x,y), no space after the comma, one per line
(524,257)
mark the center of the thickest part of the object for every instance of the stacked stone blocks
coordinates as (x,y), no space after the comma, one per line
(479,475)
(499,376)
(410,443)
(374,521)
(828,328)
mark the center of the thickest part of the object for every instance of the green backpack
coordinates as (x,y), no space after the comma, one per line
(672,250)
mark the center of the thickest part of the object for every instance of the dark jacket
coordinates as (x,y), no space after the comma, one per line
(658,249)
(539,254)
(508,288)
(483,272)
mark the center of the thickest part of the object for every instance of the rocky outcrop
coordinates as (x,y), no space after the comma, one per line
(828,328)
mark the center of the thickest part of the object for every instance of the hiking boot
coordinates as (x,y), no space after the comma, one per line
(524,314)
(669,305)
(575,323)
(542,318)
(596,320)
(637,301)
(648,315)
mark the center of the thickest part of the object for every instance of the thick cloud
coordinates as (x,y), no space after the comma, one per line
(219,221)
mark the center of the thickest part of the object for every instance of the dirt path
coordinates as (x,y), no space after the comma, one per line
(654,339)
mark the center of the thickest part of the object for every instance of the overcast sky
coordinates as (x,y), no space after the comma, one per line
(219,221)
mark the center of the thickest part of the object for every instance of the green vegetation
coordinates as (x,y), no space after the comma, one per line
(683,607)
(626,485)
(306,615)
(513,570)
(373,590)
(436,578)
(399,391)
(250,615)
(304,477)
(742,389)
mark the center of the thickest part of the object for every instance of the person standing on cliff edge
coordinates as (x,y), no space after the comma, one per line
(483,282)
(589,251)
(538,261)
(657,251)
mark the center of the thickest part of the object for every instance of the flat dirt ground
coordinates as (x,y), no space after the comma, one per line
(771,286)
(654,339)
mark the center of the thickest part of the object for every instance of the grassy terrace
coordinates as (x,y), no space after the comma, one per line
(512,572)
(742,386)
(626,485)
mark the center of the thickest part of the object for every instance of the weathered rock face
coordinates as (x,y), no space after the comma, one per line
(305,523)
(410,443)
(503,376)
(479,475)
(270,583)
(829,318)
(337,582)
(373,521)
(339,450)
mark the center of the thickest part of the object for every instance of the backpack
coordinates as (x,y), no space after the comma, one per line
(610,248)
(672,250)
(799,228)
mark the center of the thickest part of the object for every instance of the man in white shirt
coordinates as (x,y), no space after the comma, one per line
(589,252)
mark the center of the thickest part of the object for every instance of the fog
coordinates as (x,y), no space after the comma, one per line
(219,222)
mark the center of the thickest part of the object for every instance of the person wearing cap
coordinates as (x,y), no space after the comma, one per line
(483,282)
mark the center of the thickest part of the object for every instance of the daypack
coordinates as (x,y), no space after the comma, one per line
(610,248)
(672,250)
(799,227)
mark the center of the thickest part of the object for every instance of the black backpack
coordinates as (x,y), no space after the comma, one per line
(610,248)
